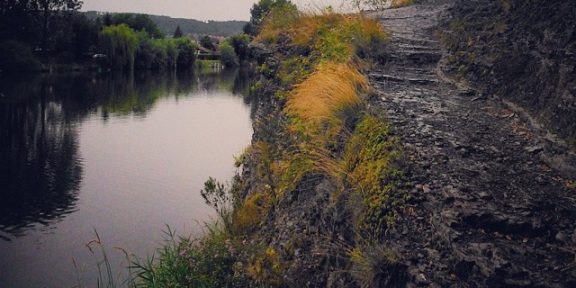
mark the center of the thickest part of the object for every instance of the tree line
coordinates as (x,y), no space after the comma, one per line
(38,33)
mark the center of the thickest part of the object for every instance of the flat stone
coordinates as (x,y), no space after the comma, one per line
(534,149)
(561,236)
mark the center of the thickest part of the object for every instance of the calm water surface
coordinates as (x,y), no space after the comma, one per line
(122,155)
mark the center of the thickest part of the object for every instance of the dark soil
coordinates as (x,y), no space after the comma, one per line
(494,198)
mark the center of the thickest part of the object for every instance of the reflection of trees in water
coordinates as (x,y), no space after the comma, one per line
(40,169)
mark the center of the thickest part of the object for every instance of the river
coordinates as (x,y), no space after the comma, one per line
(123,155)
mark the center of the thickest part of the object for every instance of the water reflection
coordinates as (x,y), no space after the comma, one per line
(40,166)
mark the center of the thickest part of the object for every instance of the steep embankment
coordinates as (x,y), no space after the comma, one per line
(385,175)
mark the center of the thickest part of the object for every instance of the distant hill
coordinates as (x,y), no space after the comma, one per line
(190,26)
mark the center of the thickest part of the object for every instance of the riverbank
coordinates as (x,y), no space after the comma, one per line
(370,168)
(322,169)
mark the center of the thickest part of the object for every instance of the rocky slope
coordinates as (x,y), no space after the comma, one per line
(490,197)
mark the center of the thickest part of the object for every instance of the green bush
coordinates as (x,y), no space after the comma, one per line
(207,262)
(186,53)
(240,43)
(228,55)
(165,53)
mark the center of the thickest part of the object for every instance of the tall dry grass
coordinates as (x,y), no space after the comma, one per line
(333,87)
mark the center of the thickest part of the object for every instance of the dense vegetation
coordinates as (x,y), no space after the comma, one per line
(68,39)
(168,25)
(323,129)
(52,31)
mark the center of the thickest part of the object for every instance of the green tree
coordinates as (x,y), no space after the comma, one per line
(120,43)
(207,43)
(138,22)
(260,10)
(186,53)
(227,54)
(240,44)
(178,33)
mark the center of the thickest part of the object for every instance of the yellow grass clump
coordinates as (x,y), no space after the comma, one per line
(335,37)
(332,88)
(252,212)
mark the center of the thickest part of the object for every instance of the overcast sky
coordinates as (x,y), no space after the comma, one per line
(194,9)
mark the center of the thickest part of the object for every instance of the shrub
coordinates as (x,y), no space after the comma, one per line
(240,43)
(206,262)
(186,53)
(227,54)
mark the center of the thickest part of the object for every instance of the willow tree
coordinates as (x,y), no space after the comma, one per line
(120,43)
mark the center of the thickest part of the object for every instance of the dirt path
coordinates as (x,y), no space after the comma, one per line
(494,201)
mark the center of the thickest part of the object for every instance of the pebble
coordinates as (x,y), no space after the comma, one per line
(561,236)
(484,195)
(421,279)
(426,189)
(534,149)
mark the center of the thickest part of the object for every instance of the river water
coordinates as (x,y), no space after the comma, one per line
(122,155)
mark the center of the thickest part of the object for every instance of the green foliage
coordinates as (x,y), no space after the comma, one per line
(138,22)
(207,43)
(369,164)
(178,32)
(261,10)
(165,53)
(186,53)
(16,56)
(215,195)
(240,43)
(328,36)
(120,43)
(207,262)
(227,54)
